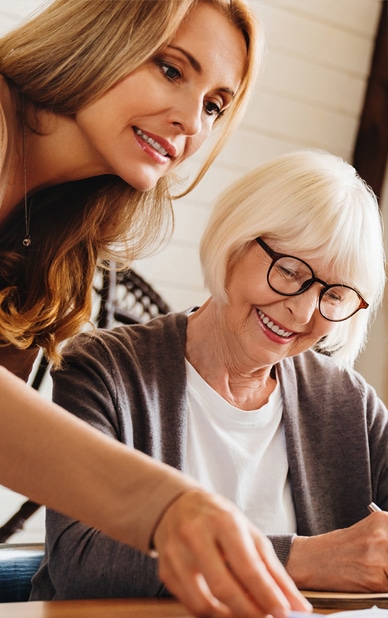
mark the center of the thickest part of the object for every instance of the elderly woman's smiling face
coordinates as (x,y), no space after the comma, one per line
(263,325)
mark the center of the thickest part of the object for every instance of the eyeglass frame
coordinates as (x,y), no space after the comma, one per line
(326,286)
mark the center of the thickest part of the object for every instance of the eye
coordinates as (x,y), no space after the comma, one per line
(169,71)
(335,295)
(213,109)
(293,269)
(287,271)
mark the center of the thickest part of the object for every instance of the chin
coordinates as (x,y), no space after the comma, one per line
(143,185)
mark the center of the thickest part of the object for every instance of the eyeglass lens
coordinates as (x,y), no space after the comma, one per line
(291,276)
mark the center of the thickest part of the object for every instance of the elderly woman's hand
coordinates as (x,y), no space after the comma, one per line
(218,564)
(352,559)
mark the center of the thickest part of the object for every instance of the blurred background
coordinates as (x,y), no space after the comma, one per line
(323,85)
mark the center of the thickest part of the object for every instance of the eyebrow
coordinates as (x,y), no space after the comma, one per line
(198,69)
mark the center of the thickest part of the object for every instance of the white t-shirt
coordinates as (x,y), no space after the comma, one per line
(240,455)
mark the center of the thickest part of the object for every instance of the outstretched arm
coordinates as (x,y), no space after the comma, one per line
(60,461)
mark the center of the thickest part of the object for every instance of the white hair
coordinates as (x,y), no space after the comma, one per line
(313,201)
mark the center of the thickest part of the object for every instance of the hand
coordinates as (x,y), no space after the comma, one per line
(353,559)
(218,564)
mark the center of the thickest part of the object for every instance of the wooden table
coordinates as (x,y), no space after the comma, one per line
(98,608)
(158,608)
(102,608)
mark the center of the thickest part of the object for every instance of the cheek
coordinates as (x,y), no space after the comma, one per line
(325,327)
(321,329)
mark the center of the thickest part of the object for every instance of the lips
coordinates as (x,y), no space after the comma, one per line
(274,327)
(165,149)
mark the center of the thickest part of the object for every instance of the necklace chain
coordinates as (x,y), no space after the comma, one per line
(27,210)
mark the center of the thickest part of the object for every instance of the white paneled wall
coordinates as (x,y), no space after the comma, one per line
(310,94)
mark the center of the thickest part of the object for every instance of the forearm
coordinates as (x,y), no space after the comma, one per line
(304,565)
(58,460)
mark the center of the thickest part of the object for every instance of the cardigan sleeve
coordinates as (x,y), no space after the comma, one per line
(282,545)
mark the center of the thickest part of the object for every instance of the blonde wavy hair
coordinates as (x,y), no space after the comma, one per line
(61,61)
(310,201)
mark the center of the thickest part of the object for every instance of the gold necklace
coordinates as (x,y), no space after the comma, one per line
(27,209)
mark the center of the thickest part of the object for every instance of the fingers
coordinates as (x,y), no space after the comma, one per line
(364,551)
(218,564)
(295,599)
(229,579)
(184,579)
(375,555)
(204,582)
(190,587)
(256,567)
(352,559)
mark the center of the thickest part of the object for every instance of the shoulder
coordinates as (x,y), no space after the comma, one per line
(141,358)
(311,363)
(317,377)
(143,342)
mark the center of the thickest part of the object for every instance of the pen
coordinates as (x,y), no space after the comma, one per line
(373,508)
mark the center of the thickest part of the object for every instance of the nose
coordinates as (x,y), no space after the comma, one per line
(303,306)
(187,114)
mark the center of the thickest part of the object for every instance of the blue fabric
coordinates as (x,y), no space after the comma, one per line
(17,566)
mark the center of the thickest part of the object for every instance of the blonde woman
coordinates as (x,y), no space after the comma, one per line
(100,102)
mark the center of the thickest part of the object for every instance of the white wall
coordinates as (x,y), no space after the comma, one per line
(373,362)
(309,94)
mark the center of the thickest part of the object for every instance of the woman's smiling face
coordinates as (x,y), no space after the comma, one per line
(161,114)
(262,325)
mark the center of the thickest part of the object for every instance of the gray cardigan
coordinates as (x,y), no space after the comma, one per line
(131,384)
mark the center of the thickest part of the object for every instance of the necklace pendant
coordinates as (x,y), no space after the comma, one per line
(26,241)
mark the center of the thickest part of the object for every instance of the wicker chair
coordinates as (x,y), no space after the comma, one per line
(126,298)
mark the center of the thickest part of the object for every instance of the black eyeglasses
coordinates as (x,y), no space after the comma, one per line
(290,276)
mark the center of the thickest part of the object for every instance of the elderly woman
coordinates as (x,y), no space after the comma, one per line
(253,393)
